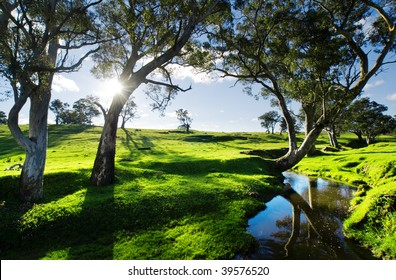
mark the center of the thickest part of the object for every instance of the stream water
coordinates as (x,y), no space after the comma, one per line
(305,222)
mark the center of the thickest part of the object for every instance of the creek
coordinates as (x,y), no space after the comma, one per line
(305,222)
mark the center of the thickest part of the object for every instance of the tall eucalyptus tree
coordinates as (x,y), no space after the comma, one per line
(319,53)
(152,34)
(38,39)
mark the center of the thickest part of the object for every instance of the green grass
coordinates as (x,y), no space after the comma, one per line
(179,196)
(372,170)
(180,199)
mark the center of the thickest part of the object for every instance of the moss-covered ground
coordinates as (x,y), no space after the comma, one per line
(179,196)
(176,196)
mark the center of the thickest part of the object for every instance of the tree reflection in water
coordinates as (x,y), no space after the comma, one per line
(312,228)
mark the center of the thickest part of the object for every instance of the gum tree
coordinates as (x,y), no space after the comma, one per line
(367,118)
(38,39)
(269,120)
(184,119)
(129,112)
(152,34)
(319,53)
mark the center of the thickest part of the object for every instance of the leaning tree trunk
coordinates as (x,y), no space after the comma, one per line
(309,111)
(103,172)
(294,156)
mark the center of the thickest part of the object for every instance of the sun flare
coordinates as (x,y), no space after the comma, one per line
(112,87)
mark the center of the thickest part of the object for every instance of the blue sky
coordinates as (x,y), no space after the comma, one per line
(215,104)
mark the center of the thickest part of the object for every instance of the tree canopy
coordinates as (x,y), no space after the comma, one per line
(148,37)
(184,119)
(318,53)
(39,39)
(269,120)
(366,118)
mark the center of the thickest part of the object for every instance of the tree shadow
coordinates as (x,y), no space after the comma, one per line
(199,166)
(9,146)
(57,134)
(94,230)
(133,145)
(32,230)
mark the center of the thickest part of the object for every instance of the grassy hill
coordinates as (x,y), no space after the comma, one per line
(177,196)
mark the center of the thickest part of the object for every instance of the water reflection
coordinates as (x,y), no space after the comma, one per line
(305,222)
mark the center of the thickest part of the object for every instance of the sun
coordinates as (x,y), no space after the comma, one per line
(112,87)
(106,90)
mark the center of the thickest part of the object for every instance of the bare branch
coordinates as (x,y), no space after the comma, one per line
(168,85)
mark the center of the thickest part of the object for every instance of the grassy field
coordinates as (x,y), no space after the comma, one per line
(372,170)
(178,196)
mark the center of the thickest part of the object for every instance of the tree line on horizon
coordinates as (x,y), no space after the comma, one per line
(319,53)
(364,118)
(85,109)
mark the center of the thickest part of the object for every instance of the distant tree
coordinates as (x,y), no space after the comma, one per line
(58,108)
(3,118)
(366,119)
(184,118)
(86,109)
(269,120)
(296,122)
(283,126)
(128,112)
(82,113)
(69,117)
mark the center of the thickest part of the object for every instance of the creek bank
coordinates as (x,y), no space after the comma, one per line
(372,170)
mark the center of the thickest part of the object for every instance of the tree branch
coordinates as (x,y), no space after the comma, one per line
(168,85)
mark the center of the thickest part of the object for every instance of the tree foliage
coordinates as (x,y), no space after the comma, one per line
(269,120)
(149,36)
(38,39)
(366,118)
(84,110)
(3,117)
(318,53)
(184,119)
(58,108)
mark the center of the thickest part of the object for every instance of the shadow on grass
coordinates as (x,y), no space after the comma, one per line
(84,225)
(9,146)
(134,145)
(193,166)
(78,221)
(58,134)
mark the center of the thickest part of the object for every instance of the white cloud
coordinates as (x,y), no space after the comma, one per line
(391,97)
(171,114)
(184,72)
(374,84)
(61,84)
(179,72)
